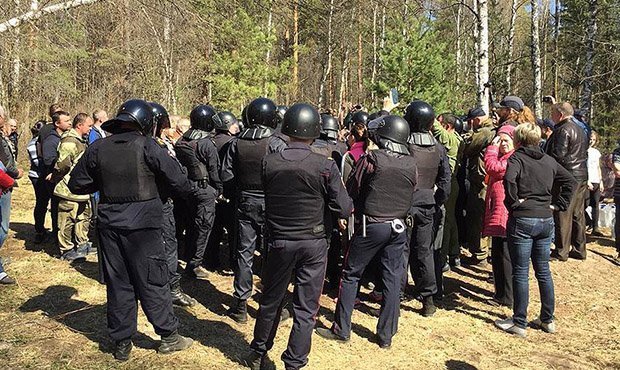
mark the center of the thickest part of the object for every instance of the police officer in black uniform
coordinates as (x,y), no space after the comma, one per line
(168,230)
(130,170)
(298,185)
(196,152)
(242,163)
(225,130)
(432,191)
(382,187)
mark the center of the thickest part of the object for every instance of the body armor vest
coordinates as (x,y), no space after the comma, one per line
(390,191)
(186,154)
(250,154)
(255,133)
(427,160)
(124,174)
(295,196)
(323,148)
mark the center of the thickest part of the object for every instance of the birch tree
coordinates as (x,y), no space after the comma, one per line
(588,70)
(537,74)
(483,54)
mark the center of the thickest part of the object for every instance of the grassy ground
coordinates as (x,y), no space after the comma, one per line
(55,318)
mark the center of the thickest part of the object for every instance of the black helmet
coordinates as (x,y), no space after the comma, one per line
(392,133)
(135,111)
(329,126)
(160,115)
(226,119)
(203,117)
(261,112)
(302,121)
(420,116)
(359,117)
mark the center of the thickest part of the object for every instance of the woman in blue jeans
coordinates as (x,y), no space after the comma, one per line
(530,177)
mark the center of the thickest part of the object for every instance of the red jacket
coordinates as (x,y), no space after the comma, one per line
(495,212)
(6,181)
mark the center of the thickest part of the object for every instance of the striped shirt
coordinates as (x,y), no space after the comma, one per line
(616,162)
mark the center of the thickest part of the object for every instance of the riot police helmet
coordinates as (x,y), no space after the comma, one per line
(203,117)
(392,133)
(420,116)
(329,126)
(261,112)
(226,120)
(359,117)
(160,115)
(302,121)
(134,113)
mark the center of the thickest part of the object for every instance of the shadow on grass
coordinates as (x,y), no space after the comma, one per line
(57,303)
(459,365)
(601,240)
(25,231)
(606,257)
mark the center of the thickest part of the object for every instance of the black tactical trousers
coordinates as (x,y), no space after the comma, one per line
(419,254)
(250,222)
(438,259)
(224,219)
(168,233)
(386,247)
(308,259)
(134,266)
(203,212)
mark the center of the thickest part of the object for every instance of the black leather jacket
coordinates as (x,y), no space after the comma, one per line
(569,147)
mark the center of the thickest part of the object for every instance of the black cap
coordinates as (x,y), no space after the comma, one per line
(513,102)
(475,112)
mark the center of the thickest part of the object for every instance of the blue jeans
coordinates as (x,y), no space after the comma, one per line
(5,212)
(531,238)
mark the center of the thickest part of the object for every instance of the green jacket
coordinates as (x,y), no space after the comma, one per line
(70,150)
(475,144)
(452,142)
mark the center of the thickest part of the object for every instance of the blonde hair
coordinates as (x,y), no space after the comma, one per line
(527,134)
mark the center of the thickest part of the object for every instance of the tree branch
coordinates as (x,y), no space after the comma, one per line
(36,14)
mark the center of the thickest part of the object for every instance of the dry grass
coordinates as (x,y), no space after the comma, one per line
(55,318)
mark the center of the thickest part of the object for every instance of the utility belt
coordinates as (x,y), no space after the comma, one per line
(397,224)
(202,183)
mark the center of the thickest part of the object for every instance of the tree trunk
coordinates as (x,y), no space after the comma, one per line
(383,16)
(511,42)
(36,14)
(405,16)
(556,49)
(330,49)
(16,63)
(360,66)
(483,54)
(536,59)
(588,70)
(295,86)
(268,53)
(343,77)
(459,11)
(373,75)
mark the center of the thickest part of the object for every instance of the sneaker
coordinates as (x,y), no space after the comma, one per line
(86,249)
(509,326)
(455,262)
(73,255)
(329,334)
(446,267)
(547,327)
(597,232)
(7,280)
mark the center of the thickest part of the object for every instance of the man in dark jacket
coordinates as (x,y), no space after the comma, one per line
(569,147)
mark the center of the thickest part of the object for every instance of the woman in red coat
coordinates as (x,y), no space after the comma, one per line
(496,214)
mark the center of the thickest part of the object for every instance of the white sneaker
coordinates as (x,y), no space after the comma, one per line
(544,326)
(509,326)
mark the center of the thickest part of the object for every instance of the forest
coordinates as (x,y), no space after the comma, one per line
(86,54)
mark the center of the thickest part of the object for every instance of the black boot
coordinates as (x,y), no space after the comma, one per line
(239,311)
(254,361)
(179,298)
(122,349)
(428,306)
(174,342)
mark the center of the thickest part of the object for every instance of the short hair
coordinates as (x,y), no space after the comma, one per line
(527,134)
(80,118)
(96,114)
(565,109)
(57,114)
(53,109)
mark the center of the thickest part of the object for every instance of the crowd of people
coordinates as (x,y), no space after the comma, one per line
(326,202)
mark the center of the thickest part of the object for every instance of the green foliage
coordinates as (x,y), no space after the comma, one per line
(418,66)
(238,69)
